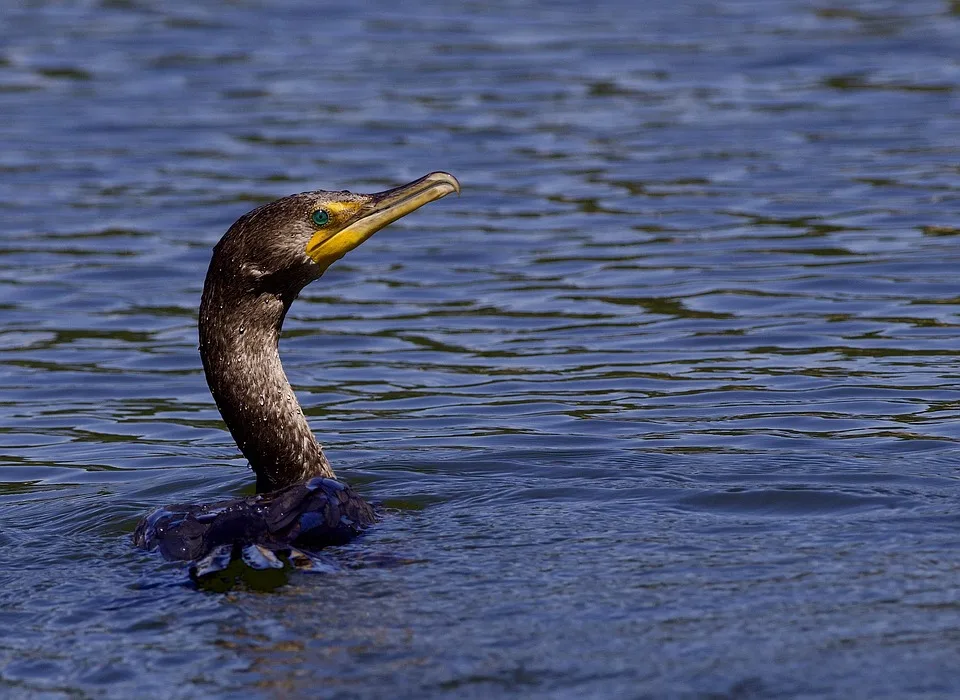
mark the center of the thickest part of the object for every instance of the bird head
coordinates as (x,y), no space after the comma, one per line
(289,242)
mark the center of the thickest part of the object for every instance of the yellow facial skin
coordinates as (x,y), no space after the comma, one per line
(351,223)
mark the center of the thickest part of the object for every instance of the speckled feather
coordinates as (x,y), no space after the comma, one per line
(257,270)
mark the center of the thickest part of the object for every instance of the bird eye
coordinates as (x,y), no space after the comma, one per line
(320,217)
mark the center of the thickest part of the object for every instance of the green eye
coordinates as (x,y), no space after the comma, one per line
(320,217)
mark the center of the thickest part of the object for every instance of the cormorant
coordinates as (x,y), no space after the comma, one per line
(258,268)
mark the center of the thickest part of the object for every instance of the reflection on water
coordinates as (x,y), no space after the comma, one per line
(665,404)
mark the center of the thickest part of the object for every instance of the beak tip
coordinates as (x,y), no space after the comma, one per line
(440,176)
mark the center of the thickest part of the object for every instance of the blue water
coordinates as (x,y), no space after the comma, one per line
(665,405)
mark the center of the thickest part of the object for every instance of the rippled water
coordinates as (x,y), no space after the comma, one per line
(665,405)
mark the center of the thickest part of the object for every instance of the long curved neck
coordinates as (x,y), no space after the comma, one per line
(239,335)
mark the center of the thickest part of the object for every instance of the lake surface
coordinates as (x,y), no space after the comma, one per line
(665,405)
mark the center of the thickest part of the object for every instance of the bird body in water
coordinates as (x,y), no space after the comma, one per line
(258,268)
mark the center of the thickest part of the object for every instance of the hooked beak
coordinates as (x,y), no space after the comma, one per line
(381,209)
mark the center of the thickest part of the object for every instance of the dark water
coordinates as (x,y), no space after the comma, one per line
(666,404)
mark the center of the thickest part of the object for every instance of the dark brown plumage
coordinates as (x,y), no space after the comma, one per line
(257,270)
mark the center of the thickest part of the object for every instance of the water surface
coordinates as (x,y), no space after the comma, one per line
(665,405)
